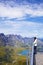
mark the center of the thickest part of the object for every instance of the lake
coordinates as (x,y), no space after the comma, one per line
(24,52)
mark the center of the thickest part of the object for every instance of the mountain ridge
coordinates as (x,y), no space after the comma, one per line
(15,40)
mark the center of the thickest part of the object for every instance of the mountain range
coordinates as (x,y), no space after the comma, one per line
(15,40)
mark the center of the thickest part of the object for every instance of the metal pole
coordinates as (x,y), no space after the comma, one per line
(32,56)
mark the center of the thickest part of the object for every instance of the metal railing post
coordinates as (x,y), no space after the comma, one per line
(32,56)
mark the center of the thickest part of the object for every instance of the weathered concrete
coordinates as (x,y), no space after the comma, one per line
(39,58)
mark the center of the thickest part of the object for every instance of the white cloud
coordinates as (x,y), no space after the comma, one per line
(23,28)
(10,12)
(20,11)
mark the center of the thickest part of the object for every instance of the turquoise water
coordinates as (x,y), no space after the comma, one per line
(24,52)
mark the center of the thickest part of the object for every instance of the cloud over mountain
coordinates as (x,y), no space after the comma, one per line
(21,17)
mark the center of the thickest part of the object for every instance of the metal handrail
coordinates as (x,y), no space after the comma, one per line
(32,56)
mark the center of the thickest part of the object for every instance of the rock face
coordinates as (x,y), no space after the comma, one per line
(15,40)
(3,39)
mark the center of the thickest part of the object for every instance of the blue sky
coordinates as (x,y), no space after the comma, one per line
(22,17)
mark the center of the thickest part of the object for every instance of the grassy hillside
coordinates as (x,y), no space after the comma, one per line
(9,56)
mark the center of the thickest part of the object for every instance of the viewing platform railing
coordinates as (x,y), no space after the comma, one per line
(32,57)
